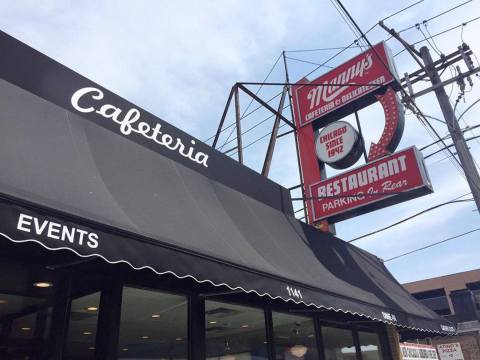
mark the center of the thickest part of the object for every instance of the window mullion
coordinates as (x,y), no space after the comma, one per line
(106,344)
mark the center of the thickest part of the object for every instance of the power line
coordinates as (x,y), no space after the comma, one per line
(469,128)
(332,57)
(397,12)
(392,15)
(308,62)
(366,32)
(468,108)
(256,125)
(433,17)
(434,244)
(440,33)
(260,138)
(325,49)
(439,53)
(449,146)
(456,200)
(348,21)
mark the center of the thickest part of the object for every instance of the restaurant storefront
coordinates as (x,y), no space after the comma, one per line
(74,310)
(122,237)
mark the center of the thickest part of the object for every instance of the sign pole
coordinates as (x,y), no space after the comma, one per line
(273,136)
(357,119)
(238,125)
(463,152)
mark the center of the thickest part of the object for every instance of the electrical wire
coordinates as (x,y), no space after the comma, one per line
(439,33)
(338,53)
(435,16)
(366,32)
(428,41)
(469,128)
(399,11)
(433,244)
(468,108)
(390,16)
(358,36)
(453,201)
(308,62)
(256,125)
(439,52)
(324,49)
(436,152)
(257,140)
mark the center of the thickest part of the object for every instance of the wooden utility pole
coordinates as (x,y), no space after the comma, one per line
(463,152)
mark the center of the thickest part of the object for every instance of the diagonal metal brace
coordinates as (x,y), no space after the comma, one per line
(261,102)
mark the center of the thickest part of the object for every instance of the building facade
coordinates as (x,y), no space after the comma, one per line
(456,297)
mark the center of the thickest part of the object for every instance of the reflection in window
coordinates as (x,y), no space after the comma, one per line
(370,346)
(338,344)
(234,332)
(82,327)
(294,337)
(153,325)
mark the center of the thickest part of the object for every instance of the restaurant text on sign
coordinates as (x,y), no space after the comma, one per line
(370,184)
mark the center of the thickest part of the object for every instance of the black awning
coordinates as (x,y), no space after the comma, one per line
(278,257)
(80,172)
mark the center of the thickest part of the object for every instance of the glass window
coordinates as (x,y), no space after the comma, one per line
(26,297)
(82,327)
(370,346)
(153,325)
(338,344)
(234,332)
(294,337)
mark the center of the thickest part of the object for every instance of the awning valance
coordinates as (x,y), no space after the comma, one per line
(87,171)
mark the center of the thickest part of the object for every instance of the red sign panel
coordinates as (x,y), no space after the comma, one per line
(400,176)
(326,94)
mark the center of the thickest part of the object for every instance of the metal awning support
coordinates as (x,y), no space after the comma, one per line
(273,136)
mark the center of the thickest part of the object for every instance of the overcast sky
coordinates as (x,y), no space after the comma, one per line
(179,59)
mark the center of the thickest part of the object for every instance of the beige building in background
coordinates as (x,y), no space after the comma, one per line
(457,298)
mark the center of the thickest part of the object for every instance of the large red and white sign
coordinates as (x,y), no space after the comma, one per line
(451,351)
(327,93)
(380,183)
(412,351)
